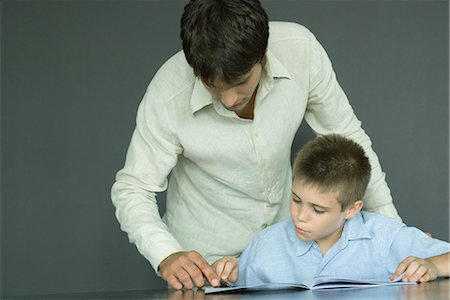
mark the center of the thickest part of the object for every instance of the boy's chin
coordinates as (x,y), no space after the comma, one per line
(304,238)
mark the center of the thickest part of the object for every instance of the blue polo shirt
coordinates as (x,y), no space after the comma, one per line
(371,247)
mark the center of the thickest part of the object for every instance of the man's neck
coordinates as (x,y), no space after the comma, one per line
(248,111)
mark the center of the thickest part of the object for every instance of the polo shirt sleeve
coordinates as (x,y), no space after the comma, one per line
(248,262)
(328,111)
(151,155)
(410,241)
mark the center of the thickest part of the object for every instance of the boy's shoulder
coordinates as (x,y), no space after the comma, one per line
(376,218)
(274,233)
(377,223)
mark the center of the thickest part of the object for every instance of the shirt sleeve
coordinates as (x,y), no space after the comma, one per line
(410,241)
(329,110)
(151,155)
(247,273)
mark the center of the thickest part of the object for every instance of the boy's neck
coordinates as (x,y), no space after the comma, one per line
(329,242)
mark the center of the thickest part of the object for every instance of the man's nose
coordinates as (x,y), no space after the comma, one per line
(229,97)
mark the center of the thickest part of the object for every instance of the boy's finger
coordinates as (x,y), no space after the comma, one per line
(220,268)
(410,271)
(419,273)
(227,270)
(402,267)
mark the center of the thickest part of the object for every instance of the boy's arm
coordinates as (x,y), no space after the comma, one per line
(442,263)
(416,269)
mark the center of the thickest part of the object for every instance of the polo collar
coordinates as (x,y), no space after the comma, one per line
(300,247)
(354,229)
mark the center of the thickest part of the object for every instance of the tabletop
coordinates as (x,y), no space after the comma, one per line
(434,290)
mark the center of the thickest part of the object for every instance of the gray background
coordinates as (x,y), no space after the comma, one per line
(74,72)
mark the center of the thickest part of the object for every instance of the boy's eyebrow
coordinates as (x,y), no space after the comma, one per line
(313,204)
(295,194)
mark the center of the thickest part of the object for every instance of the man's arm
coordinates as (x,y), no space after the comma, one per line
(152,154)
(329,111)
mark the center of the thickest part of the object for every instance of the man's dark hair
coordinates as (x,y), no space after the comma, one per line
(224,39)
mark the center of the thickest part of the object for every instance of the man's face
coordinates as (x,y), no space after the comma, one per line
(317,216)
(237,98)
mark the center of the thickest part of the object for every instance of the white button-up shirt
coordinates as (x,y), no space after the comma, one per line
(230,177)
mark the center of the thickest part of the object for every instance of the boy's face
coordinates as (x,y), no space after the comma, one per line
(237,98)
(317,216)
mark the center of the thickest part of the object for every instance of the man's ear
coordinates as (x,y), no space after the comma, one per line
(354,209)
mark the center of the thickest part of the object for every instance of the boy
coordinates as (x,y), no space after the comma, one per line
(329,235)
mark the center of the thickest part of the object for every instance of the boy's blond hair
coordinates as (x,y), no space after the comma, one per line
(333,163)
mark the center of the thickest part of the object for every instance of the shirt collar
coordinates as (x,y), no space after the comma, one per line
(355,229)
(201,97)
(274,67)
(300,247)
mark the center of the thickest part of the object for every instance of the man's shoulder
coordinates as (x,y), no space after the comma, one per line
(174,77)
(282,31)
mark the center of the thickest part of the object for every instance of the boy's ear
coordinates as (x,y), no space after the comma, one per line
(354,209)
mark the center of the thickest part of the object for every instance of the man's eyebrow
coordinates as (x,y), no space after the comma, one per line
(239,82)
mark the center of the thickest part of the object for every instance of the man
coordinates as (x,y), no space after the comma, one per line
(220,117)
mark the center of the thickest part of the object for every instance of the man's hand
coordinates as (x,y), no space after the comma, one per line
(416,269)
(227,268)
(198,294)
(187,269)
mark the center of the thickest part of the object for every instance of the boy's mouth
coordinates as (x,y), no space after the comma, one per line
(300,230)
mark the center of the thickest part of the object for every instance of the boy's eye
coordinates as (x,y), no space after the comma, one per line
(296,200)
(318,211)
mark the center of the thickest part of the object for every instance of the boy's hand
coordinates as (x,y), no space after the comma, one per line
(416,269)
(227,268)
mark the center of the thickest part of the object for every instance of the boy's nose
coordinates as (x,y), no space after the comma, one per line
(302,214)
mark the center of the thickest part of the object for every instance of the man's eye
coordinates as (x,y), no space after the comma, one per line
(296,200)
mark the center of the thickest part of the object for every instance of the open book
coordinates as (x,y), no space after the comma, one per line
(310,284)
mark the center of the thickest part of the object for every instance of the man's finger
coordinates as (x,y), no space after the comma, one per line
(173,281)
(206,269)
(195,273)
(185,278)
